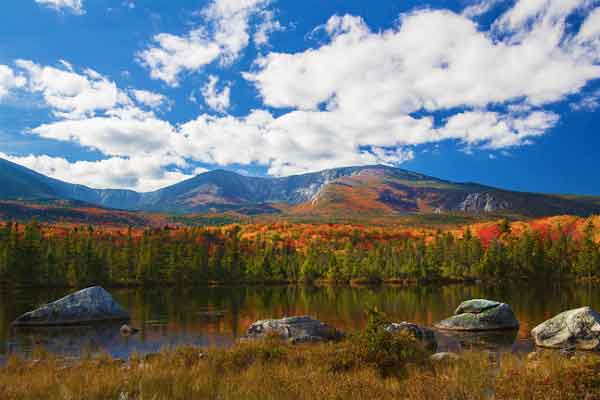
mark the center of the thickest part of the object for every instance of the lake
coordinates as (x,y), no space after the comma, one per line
(216,316)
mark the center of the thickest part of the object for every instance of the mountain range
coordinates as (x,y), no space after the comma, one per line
(376,190)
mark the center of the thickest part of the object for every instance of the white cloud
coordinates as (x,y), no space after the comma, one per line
(9,80)
(224,35)
(401,70)
(268,26)
(141,173)
(231,20)
(496,131)
(527,13)
(124,132)
(70,94)
(75,6)
(479,8)
(589,102)
(218,101)
(362,97)
(150,99)
(175,54)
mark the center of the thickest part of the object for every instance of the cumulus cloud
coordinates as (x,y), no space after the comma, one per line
(141,173)
(175,54)
(75,6)
(122,133)
(70,94)
(361,97)
(231,21)
(218,101)
(9,80)
(402,70)
(225,33)
(149,99)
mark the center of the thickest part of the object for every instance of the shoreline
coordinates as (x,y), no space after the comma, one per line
(271,369)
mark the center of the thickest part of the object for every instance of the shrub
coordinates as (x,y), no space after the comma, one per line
(389,353)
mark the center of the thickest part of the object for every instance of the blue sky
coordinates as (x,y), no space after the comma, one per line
(144,93)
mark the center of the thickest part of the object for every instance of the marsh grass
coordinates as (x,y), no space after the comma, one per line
(369,365)
(276,370)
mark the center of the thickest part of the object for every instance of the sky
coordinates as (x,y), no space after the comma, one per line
(141,94)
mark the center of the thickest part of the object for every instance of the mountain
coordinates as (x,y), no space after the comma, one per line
(364,190)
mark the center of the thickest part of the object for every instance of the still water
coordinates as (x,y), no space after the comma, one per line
(216,316)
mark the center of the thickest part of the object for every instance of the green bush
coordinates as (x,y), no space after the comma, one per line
(389,353)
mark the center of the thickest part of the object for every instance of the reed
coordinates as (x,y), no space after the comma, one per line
(272,369)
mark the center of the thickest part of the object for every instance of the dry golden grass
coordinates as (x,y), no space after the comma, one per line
(274,370)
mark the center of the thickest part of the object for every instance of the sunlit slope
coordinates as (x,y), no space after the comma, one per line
(363,190)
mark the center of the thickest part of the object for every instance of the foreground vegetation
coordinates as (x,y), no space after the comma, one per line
(370,365)
(44,256)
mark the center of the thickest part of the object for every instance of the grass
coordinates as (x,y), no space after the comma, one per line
(370,365)
(269,370)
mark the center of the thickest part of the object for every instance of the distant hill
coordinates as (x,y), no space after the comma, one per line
(364,190)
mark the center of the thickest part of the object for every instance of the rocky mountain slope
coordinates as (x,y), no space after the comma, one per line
(366,190)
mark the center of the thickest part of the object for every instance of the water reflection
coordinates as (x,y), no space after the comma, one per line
(215,316)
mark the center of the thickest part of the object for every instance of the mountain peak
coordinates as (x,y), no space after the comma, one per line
(366,189)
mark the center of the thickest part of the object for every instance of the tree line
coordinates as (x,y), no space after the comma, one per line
(195,256)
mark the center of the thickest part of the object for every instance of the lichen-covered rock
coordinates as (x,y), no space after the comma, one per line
(578,329)
(475,306)
(93,304)
(300,329)
(480,315)
(421,333)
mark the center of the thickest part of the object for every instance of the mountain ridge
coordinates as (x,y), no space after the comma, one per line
(376,189)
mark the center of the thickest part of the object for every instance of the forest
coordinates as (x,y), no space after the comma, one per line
(35,255)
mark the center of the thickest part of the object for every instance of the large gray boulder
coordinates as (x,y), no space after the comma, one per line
(300,329)
(421,333)
(480,315)
(93,304)
(578,328)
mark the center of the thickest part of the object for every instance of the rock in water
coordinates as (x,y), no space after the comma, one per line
(294,329)
(419,332)
(93,304)
(127,330)
(578,328)
(480,315)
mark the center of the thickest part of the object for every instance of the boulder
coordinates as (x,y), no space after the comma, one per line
(480,315)
(93,304)
(127,330)
(573,329)
(300,329)
(421,333)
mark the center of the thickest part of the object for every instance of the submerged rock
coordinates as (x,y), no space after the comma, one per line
(493,340)
(419,332)
(300,329)
(93,304)
(576,329)
(480,315)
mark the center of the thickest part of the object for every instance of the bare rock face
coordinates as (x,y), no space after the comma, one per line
(482,202)
(421,333)
(93,304)
(576,329)
(480,315)
(300,329)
